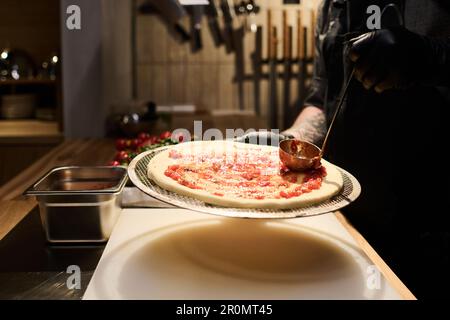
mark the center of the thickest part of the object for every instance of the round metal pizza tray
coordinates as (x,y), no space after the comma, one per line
(137,172)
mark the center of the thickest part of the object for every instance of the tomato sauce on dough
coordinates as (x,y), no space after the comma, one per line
(248,175)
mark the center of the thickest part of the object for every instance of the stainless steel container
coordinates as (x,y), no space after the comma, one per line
(79,204)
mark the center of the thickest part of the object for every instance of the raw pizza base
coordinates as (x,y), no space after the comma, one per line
(331,184)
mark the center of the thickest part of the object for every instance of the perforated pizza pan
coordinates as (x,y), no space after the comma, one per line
(137,172)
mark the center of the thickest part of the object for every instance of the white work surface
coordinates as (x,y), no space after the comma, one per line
(179,254)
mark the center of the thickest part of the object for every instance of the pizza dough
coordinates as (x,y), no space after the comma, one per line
(232,174)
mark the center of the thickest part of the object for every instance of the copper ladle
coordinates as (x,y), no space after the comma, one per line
(299,155)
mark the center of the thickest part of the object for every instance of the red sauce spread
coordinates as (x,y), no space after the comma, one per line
(246,174)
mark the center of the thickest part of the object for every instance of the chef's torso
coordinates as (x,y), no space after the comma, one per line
(380,137)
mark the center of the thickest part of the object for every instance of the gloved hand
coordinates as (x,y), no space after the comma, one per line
(268,138)
(396,58)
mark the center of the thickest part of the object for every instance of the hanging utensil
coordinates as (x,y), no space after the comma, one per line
(213,23)
(287,74)
(302,52)
(239,64)
(196,28)
(228,31)
(257,69)
(247,10)
(252,11)
(273,73)
(171,12)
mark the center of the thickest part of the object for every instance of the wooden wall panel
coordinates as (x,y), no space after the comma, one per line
(210,84)
(144,83)
(169,73)
(159,84)
(193,83)
(177,89)
(225,86)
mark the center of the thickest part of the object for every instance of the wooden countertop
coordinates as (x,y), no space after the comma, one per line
(14,207)
(70,152)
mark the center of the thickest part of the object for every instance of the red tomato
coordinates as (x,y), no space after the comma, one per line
(142,141)
(122,156)
(148,142)
(114,163)
(143,136)
(314,184)
(174,167)
(134,143)
(165,135)
(264,183)
(247,176)
(153,139)
(121,144)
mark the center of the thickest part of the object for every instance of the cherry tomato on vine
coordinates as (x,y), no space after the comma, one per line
(143,136)
(122,156)
(134,143)
(153,139)
(165,135)
(121,144)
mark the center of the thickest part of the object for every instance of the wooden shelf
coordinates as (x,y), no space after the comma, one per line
(27,82)
(28,128)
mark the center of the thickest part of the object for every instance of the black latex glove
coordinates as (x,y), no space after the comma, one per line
(397,58)
(263,138)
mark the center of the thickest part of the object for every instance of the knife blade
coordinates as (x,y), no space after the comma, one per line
(213,23)
(239,63)
(273,74)
(228,25)
(257,66)
(287,56)
(302,52)
(196,26)
(170,13)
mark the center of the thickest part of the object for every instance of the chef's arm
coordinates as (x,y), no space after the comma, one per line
(310,125)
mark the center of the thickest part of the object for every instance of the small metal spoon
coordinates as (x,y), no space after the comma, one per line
(300,155)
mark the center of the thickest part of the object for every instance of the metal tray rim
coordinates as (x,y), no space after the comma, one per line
(111,191)
(202,207)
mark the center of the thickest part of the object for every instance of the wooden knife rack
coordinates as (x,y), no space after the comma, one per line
(263,68)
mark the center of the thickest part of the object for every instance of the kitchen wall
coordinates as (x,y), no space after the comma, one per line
(97,65)
(82,71)
(168,73)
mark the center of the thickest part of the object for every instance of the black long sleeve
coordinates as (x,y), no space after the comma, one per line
(317,90)
(437,66)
